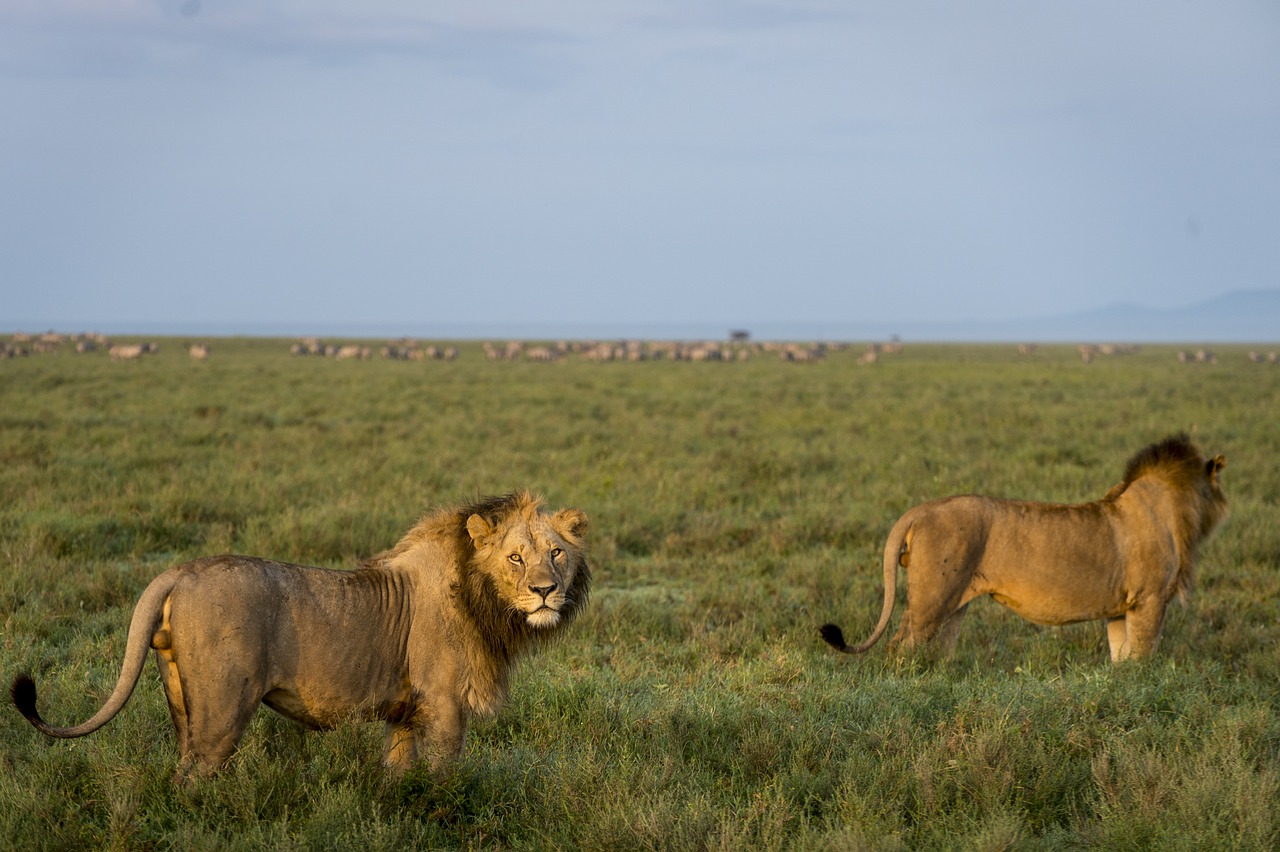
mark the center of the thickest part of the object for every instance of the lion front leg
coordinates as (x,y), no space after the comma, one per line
(1118,639)
(400,748)
(436,735)
(1139,631)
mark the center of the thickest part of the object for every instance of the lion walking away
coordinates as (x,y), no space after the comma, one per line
(422,636)
(1121,558)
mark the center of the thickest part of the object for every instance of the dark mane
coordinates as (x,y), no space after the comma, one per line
(500,627)
(1200,503)
(1175,456)
(494,509)
(450,523)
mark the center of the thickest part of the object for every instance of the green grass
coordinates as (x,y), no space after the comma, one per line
(734,507)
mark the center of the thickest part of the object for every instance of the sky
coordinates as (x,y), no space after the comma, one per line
(577,163)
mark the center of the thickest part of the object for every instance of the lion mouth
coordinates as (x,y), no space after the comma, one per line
(543,616)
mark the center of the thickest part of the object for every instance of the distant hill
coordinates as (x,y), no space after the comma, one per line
(1249,316)
(1242,316)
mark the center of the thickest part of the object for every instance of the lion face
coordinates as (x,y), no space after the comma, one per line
(533,559)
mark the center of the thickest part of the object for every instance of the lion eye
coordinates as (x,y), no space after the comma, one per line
(515,559)
(556,552)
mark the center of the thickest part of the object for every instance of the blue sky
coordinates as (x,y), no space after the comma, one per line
(568,162)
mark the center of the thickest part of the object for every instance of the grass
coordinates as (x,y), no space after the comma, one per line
(734,507)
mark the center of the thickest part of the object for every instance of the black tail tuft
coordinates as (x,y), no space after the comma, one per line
(830,632)
(23,693)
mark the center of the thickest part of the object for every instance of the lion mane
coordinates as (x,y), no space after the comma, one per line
(422,636)
(1121,558)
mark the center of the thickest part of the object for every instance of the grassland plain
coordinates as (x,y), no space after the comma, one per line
(734,507)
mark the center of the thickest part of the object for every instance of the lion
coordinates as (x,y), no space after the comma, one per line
(422,636)
(1121,558)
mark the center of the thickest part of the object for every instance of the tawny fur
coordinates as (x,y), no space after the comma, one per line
(422,636)
(1121,558)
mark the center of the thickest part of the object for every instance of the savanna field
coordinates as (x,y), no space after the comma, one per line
(734,507)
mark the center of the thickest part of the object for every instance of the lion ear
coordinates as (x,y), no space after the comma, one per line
(570,521)
(479,529)
(1216,464)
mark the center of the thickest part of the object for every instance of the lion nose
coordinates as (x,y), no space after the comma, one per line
(543,590)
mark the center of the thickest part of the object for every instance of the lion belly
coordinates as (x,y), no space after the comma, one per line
(1044,607)
(321,710)
(1029,557)
(1052,581)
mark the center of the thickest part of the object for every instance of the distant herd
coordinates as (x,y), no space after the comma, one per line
(423,635)
(23,344)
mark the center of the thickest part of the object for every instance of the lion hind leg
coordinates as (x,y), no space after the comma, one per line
(218,711)
(938,631)
(904,638)
(212,740)
(949,632)
(933,617)
(177,701)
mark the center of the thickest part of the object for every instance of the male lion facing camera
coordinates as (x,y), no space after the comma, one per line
(422,636)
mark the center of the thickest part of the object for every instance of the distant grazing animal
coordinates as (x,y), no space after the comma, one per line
(802,354)
(422,636)
(199,351)
(1121,558)
(130,352)
(541,353)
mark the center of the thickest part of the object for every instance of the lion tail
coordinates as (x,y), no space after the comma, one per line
(895,554)
(147,616)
